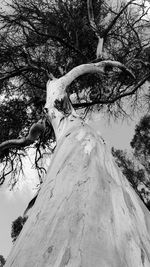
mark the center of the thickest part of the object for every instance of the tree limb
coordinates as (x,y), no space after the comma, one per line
(114,99)
(102,35)
(17,72)
(53,37)
(99,67)
(91,18)
(113,22)
(38,128)
(35,131)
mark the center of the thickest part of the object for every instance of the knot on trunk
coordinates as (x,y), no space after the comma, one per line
(63,105)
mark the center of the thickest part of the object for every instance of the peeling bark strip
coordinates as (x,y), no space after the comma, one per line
(63,105)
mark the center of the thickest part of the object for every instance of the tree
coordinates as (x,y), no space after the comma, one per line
(2,261)
(137,168)
(141,142)
(73,215)
(86,213)
(38,37)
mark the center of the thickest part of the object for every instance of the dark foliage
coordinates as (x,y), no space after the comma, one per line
(137,168)
(135,175)
(2,261)
(13,119)
(17,226)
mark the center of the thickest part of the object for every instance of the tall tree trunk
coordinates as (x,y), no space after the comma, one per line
(86,213)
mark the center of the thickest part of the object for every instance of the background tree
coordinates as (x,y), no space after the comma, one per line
(39,37)
(136,167)
(141,142)
(136,175)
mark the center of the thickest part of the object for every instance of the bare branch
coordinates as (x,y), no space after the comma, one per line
(32,64)
(53,37)
(20,70)
(101,35)
(35,131)
(113,22)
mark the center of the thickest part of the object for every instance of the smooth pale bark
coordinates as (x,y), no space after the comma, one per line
(86,213)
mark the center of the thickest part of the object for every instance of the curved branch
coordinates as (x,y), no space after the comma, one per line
(99,67)
(35,131)
(111,101)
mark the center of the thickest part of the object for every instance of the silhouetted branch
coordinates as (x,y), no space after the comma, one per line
(113,99)
(35,131)
(113,22)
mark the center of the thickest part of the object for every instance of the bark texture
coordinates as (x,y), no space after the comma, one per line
(86,213)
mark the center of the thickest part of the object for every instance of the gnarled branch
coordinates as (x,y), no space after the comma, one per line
(35,131)
(61,85)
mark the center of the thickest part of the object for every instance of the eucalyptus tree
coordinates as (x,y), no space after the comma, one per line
(40,37)
(86,213)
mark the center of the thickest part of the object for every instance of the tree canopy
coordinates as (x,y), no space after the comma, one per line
(39,38)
